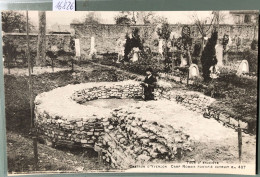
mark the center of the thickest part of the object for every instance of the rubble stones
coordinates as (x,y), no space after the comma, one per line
(124,135)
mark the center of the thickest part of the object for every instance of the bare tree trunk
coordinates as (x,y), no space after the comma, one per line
(8,64)
(41,45)
(33,126)
(189,57)
(202,45)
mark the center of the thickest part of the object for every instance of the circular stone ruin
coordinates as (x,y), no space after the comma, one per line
(61,115)
(62,118)
(129,135)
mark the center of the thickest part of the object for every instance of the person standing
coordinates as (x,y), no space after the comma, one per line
(149,84)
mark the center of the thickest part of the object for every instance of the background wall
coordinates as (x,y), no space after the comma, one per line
(106,36)
(62,41)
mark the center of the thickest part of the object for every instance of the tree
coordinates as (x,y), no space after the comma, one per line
(203,27)
(164,33)
(9,51)
(133,17)
(125,18)
(122,20)
(206,25)
(208,57)
(92,18)
(41,44)
(135,41)
(12,20)
(144,17)
(158,20)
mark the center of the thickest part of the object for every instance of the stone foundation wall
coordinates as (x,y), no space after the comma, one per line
(84,129)
(70,133)
(123,136)
(104,92)
(198,102)
(202,104)
(118,133)
(131,139)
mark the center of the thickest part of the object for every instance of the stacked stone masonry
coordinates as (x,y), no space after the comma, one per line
(106,35)
(124,137)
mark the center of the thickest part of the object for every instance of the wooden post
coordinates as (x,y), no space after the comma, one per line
(33,129)
(8,63)
(72,65)
(190,62)
(239,142)
(52,64)
(100,159)
(188,73)
(179,154)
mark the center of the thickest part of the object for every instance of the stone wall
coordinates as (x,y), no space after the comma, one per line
(196,101)
(118,133)
(106,35)
(123,135)
(200,103)
(62,41)
(61,118)
(104,92)
(134,139)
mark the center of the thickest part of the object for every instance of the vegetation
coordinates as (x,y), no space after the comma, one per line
(41,43)
(123,20)
(10,53)
(164,33)
(252,57)
(254,44)
(92,18)
(13,20)
(139,17)
(208,57)
(134,41)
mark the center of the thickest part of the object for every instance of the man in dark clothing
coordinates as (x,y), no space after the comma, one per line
(149,84)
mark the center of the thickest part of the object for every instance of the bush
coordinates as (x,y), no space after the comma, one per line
(135,41)
(140,66)
(254,45)
(9,51)
(208,55)
(252,58)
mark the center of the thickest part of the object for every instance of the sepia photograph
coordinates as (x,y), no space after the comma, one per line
(131,91)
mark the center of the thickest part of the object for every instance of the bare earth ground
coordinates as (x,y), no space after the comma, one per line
(36,71)
(21,158)
(213,141)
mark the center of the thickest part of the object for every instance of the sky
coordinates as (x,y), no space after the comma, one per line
(107,17)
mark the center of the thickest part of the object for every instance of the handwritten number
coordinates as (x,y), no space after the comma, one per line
(68,5)
(65,5)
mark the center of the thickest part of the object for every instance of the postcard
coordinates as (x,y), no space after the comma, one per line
(131,91)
